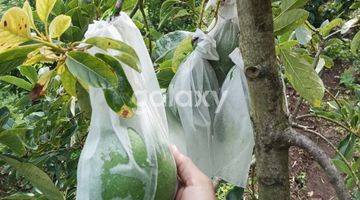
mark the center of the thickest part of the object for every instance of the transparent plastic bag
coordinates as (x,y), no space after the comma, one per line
(233,139)
(192,98)
(127,158)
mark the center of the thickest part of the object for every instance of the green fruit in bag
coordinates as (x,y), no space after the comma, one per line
(130,183)
(227,39)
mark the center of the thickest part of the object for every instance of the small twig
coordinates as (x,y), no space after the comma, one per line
(297,108)
(327,119)
(337,31)
(293,138)
(203,2)
(216,14)
(334,98)
(306,129)
(141,6)
(135,9)
(55,47)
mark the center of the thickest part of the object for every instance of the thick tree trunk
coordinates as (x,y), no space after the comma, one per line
(268,100)
(273,132)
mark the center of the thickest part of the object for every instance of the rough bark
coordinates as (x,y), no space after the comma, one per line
(268,99)
(273,133)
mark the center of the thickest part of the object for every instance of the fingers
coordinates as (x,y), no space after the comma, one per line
(187,171)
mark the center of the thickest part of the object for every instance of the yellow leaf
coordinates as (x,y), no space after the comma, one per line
(41,55)
(48,53)
(44,8)
(60,70)
(14,28)
(27,9)
(59,25)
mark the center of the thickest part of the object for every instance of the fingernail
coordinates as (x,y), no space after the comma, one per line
(173,146)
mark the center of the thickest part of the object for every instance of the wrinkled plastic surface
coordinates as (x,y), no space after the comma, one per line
(233,139)
(127,158)
(226,34)
(218,132)
(194,79)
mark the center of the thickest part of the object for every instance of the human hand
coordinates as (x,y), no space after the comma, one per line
(193,183)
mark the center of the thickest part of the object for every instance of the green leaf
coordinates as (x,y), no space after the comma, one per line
(44,8)
(329,63)
(303,77)
(59,25)
(166,6)
(68,81)
(326,29)
(127,55)
(292,4)
(168,43)
(91,70)
(303,35)
(168,16)
(12,139)
(79,18)
(30,73)
(121,99)
(347,25)
(59,8)
(36,176)
(19,82)
(181,14)
(165,74)
(288,45)
(23,196)
(341,166)
(128,5)
(355,43)
(235,193)
(14,57)
(4,116)
(346,146)
(83,100)
(320,65)
(289,21)
(181,52)
(72,34)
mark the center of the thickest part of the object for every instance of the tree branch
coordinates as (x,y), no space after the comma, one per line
(326,119)
(293,138)
(304,128)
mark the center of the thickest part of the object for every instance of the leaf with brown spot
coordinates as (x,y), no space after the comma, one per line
(14,28)
(27,9)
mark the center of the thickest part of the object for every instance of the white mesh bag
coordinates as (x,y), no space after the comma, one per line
(225,31)
(233,139)
(127,158)
(192,97)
